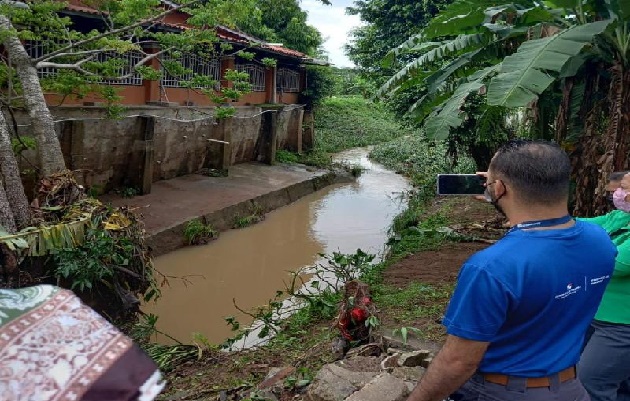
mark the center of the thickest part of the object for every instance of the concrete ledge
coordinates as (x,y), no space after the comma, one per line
(169,239)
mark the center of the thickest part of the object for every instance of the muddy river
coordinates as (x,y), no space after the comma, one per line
(250,264)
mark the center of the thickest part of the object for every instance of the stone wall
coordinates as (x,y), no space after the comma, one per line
(149,144)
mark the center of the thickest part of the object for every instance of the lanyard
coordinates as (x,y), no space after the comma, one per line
(541,223)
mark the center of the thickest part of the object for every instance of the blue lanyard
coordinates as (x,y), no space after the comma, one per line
(541,223)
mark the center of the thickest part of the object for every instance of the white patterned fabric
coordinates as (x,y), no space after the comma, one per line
(54,348)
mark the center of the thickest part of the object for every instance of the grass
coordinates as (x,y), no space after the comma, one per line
(342,123)
(197,233)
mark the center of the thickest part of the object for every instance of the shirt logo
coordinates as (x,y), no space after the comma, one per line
(600,280)
(571,290)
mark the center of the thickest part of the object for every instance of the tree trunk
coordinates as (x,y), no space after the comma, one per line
(619,128)
(13,182)
(6,217)
(42,123)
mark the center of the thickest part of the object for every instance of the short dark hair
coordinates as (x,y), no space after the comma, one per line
(538,170)
(617,175)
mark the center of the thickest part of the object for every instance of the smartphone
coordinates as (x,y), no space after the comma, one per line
(460,184)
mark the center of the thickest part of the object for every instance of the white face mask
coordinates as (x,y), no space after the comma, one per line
(619,200)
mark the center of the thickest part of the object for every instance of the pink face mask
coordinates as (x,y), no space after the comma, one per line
(619,200)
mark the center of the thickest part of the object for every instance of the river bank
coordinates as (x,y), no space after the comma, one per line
(410,289)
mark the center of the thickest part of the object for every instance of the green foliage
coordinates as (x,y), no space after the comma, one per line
(281,21)
(387,24)
(269,62)
(415,301)
(320,85)
(349,122)
(405,331)
(320,303)
(257,215)
(525,74)
(22,144)
(197,233)
(420,159)
(94,262)
(224,112)
(129,192)
(284,156)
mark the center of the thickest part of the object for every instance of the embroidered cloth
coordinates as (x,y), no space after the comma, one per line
(55,348)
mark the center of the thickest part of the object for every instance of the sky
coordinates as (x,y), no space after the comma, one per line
(334,25)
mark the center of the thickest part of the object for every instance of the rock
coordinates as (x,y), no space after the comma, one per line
(390,362)
(413,358)
(266,394)
(392,351)
(391,342)
(426,362)
(384,387)
(373,349)
(408,374)
(361,364)
(275,376)
(335,383)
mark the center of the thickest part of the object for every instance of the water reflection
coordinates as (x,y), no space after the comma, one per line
(252,263)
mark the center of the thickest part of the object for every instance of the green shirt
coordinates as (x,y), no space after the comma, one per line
(615,305)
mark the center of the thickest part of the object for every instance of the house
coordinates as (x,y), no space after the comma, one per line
(280,84)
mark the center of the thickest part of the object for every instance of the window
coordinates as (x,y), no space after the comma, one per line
(195,66)
(37,50)
(287,80)
(256,75)
(129,60)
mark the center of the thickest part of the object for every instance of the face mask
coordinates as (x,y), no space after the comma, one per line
(495,202)
(619,200)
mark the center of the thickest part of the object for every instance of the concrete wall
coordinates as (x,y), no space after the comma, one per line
(156,143)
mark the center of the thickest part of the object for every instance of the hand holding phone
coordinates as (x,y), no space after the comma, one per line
(461,184)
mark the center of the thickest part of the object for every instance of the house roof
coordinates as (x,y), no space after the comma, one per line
(223,32)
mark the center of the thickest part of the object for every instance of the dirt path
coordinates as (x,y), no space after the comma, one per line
(421,284)
(431,267)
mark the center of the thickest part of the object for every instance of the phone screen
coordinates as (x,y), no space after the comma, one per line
(460,184)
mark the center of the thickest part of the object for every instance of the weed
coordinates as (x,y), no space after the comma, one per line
(404,332)
(197,233)
(85,266)
(129,192)
(95,190)
(284,156)
(257,215)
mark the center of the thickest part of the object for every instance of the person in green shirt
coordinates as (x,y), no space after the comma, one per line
(604,366)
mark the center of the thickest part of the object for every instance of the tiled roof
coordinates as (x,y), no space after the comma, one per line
(223,32)
(82,9)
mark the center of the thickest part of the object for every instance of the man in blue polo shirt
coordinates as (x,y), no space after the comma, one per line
(521,307)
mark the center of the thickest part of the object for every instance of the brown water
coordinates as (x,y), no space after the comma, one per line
(250,264)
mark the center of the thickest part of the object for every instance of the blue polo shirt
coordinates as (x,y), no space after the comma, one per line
(532,295)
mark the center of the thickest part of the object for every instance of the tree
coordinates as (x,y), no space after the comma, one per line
(387,24)
(285,22)
(519,56)
(82,58)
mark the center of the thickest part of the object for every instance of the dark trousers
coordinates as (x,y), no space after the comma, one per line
(604,366)
(477,389)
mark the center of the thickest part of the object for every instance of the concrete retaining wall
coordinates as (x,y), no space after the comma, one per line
(156,143)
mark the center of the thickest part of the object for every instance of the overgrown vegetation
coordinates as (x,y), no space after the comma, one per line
(198,233)
(344,122)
